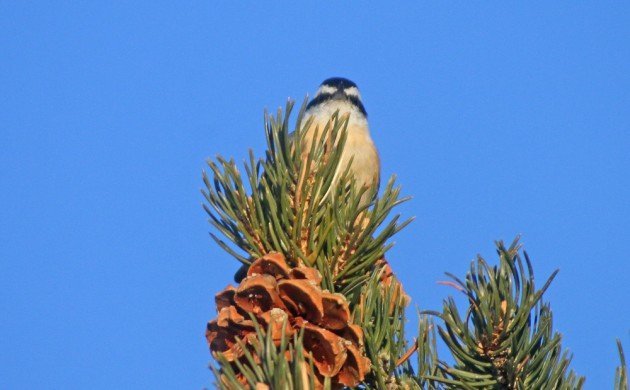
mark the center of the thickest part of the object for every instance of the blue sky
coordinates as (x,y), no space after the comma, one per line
(499,119)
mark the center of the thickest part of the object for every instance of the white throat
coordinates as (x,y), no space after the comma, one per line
(322,113)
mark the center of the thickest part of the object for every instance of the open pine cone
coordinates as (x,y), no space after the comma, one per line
(273,292)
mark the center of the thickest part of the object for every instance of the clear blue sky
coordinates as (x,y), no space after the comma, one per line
(498,119)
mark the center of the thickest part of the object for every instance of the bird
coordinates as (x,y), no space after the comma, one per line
(338,94)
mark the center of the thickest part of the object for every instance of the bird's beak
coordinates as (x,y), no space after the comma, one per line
(339,95)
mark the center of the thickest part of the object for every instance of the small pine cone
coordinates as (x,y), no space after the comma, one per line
(276,295)
(388,277)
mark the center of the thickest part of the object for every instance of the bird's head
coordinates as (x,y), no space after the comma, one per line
(337,92)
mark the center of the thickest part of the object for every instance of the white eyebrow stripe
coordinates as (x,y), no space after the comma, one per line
(325,89)
(353,91)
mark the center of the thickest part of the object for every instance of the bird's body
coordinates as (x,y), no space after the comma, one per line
(341,95)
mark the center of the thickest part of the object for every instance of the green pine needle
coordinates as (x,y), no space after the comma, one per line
(621,374)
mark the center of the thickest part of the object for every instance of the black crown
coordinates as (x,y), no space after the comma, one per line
(339,82)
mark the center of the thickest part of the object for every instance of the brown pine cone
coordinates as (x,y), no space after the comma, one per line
(274,292)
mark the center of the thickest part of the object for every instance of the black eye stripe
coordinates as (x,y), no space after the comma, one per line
(355,100)
(323,97)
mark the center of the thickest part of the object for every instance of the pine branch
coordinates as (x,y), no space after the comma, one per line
(285,204)
(505,340)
